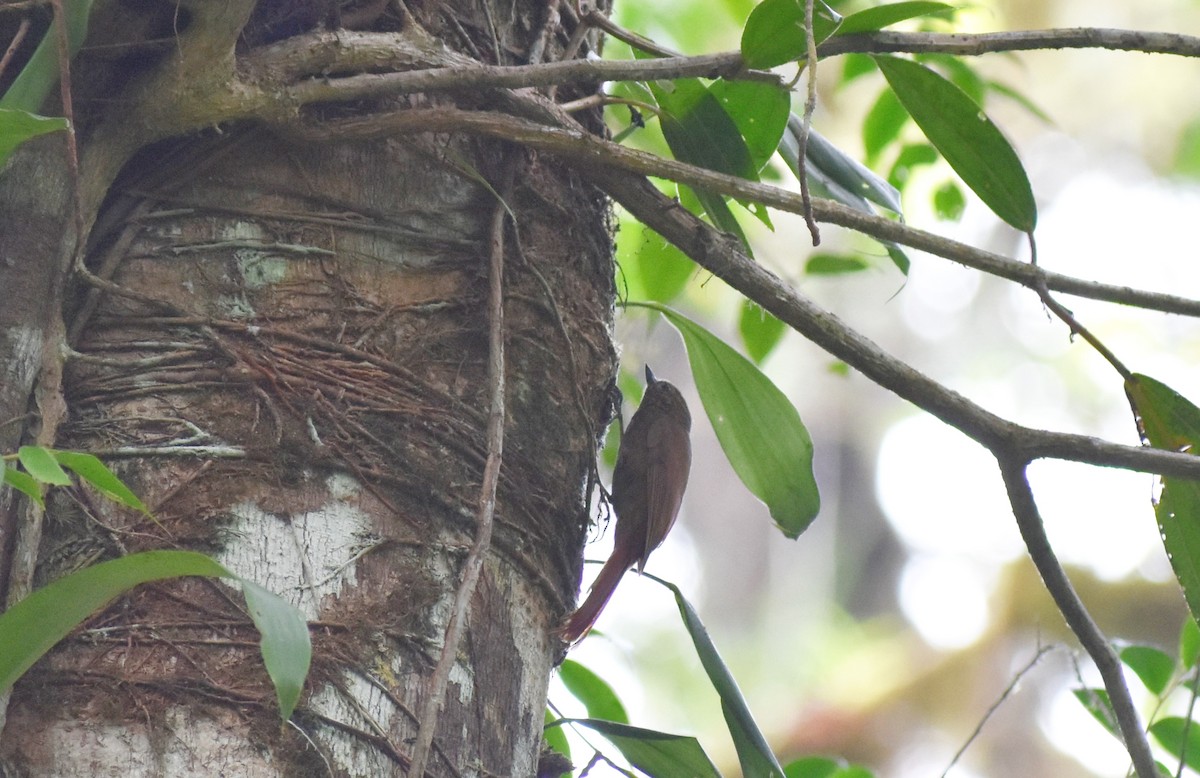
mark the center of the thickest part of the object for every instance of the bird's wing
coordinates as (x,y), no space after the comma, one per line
(668,463)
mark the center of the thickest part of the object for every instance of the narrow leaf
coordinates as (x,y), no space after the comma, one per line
(966,137)
(654,753)
(92,470)
(881,16)
(554,735)
(1153,667)
(286,645)
(754,753)
(593,691)
(31,627)
(774,33)
(24,484)
(16,127)
(758,427)
(1169,421)
(824,264)
(39,463)
(1097,703)
(845,170)
(1189,643)
(32,85)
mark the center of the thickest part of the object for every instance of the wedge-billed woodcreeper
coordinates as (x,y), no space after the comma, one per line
(647,489)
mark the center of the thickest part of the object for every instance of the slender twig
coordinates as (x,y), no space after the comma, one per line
(995,706)
(473,565)
(1033,533)
(810,105)
(969,45)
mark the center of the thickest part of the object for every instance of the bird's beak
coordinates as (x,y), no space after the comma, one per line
(650,376)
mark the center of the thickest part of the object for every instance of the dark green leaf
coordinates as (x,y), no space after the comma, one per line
(760,112)
(1180,737)
(1097,703)
(554,735)
(774,33)
(812,767)
(958,73)
(92,470)
(654,753)
(757,426)
(760,331)
(754,753)
(882,125)
(882,16)
(16,127)
(31,627)
(949,202)
(848,172)
(973,146)
(1189,643)
(593,691)
(1169,421)
(854,66)
(40,74)
(834,264)
(24,484)
(286,646)
(1152,666)
(39,463)
(898,257)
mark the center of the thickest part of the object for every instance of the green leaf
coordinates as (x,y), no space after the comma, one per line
(39,462)
(1189,643)
(1097,703)
(286,645)
(31,627)
(760,331)
(969,141)
(949,202)
(758,428)
(16,127)
(651,267)
(554,735)
(24,484)
(92,470)
(40,74)
(881,16)
(1180,737)
(825,264)
(882,125)
(911,156)
(812,767)
(1152,666)
(774,33)
(760,111)
(654,753)
(846,171)
(1169,421)
(593,691)
(754,753)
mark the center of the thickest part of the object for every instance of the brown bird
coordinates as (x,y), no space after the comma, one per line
(647,488)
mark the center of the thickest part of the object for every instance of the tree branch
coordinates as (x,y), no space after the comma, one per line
(970,45)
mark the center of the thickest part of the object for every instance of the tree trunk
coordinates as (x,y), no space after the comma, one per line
(286,355)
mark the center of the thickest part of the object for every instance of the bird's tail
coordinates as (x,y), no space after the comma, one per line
(579,622)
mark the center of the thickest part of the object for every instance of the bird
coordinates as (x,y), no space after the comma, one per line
(647,489)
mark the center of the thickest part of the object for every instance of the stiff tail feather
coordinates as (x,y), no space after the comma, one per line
(579,622)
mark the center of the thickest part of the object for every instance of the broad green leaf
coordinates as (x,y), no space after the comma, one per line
(650,266)
(31,627)
(812,767)
(854,66)
(754,753)
(760,331)
(593,691)
(825,264)
(958,73)
(1189,643)
(554,736)
(654,753)
(1097,703)
(24,484)
(1180,737)
(1169,421)
(966,137)
(882,125)
(774,33)
(16,127)
(1152,666)
(881,16)
(949,202)
(758,427)
(759,111)
(39,462)
(92,470)
(40,74)
(286,645)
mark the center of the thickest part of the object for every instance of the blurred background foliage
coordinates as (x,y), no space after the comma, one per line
(886,632)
